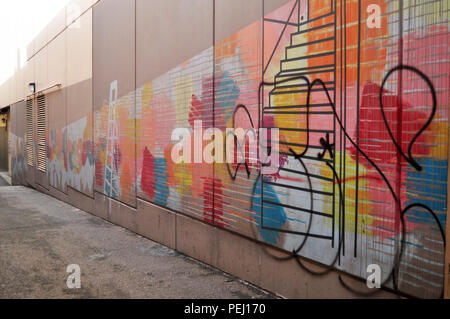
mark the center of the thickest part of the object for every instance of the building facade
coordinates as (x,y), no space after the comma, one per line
(359,93)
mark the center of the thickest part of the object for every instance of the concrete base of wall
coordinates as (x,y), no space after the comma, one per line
(233,253)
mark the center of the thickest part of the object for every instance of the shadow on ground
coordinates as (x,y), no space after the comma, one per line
(40,236)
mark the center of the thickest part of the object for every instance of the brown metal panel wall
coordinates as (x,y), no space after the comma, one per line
(237,66)
(168,33)
(174,90)
(80,165)
(114,99)
(80,159)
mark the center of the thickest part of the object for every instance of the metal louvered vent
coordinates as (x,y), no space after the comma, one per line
(41,134)
(29,133)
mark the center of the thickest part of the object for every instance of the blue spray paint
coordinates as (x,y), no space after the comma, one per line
(274,216)
(161,182)
(431,186)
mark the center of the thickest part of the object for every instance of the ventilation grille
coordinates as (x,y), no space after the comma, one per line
(41,134)
(29,135)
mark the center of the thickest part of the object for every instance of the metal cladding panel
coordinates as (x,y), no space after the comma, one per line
(115,120)
(57,158)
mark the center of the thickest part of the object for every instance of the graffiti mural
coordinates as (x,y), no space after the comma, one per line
(70,159)
(362,112)
(362,115)
(356,131)
(56,158)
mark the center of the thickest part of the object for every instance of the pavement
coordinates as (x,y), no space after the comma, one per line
(41,236)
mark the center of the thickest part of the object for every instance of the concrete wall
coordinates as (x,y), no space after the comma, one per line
(132,71)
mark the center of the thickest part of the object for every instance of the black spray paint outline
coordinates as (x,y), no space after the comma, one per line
(409,159)
(239,146)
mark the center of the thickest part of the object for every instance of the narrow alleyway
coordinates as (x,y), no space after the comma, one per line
(40,236)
